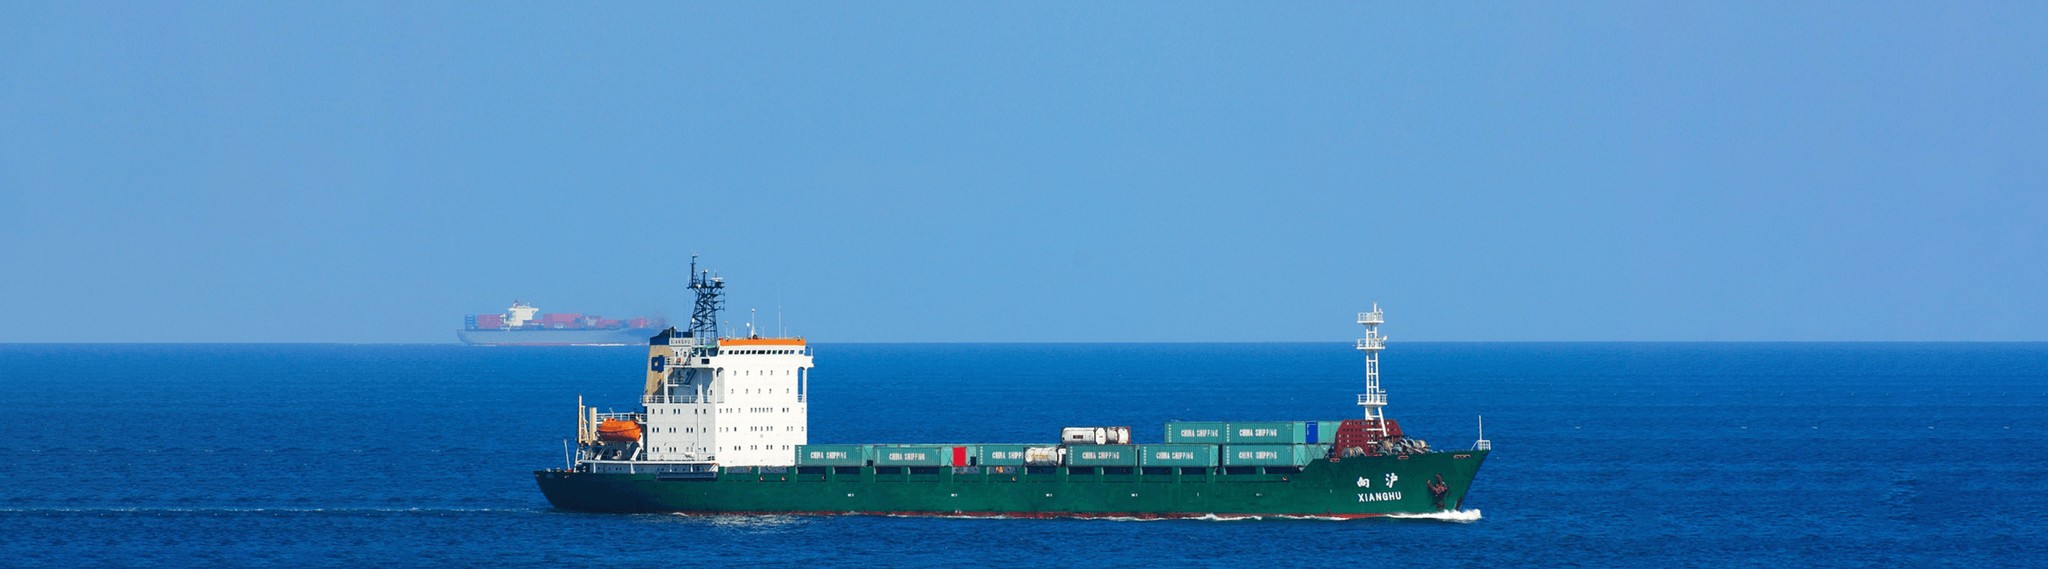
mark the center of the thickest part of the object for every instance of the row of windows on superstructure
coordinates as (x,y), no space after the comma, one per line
(665,411)
(736,447)
(758,429)
(768,372)
(731,429)
(758,352)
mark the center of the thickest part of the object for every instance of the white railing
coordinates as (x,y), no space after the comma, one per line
(1372,399)
(1483,444)
(669,399)
(1374,317)
(1373,343)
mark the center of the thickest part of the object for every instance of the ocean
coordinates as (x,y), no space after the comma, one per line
(1605,454)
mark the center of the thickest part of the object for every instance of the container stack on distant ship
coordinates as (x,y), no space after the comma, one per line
(523,325)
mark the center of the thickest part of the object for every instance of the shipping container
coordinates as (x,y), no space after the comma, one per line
(1102,455)
(1277,432)
(911,455)
(490,321)
(1002,455)
(1325,433)
(1177,455)
(1266,455)
(1081,436)
(1095,435)
(1198,432)
(1043,456)
(1321,432)
(832,455)
(636,323)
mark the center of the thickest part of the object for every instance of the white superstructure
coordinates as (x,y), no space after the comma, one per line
(519,314)
(736,402)
(709,401)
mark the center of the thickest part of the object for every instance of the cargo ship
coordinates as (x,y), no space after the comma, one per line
(523,325)
(722,429)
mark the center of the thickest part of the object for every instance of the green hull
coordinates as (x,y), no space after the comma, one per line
(1348,488)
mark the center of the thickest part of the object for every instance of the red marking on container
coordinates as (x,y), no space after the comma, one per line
(959,456)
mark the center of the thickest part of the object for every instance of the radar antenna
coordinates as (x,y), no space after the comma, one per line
(710,299)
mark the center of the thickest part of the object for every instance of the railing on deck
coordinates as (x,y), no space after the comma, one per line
(669,399)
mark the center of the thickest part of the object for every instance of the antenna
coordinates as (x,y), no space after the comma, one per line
(1374,398)
(751,313)
(710,299)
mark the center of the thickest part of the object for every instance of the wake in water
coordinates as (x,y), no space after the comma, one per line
(1460,516)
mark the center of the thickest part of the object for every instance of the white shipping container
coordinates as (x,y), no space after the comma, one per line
(1095,435)
(1042,456)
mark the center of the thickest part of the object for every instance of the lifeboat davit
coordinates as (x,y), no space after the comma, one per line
(617,430)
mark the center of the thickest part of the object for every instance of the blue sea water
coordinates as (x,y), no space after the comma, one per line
(1622,455)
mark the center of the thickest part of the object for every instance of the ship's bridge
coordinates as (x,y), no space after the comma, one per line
(737,401)
(762,346)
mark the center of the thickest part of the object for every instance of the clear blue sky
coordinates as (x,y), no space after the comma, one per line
(927,171)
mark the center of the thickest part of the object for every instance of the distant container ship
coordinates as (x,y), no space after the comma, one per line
(523,325)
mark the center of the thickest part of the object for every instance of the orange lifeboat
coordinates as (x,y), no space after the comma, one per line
(617,430)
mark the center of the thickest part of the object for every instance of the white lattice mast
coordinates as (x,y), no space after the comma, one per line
(1374,398)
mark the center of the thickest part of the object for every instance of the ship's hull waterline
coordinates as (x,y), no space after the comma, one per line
(613,337)
(1346,488)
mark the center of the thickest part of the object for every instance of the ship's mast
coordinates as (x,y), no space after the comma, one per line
(1374,398)
(710,298)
